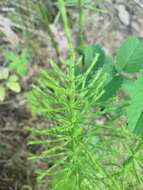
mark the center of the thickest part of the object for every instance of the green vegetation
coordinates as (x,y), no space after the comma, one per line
(91,102)
(10,75)
(83,154)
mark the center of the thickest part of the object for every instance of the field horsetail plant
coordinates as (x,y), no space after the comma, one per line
(67,100)
(72,99)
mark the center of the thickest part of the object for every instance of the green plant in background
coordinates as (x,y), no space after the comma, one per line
(11,75)
(82,154)
(18,63)
(125,73)
(128,66)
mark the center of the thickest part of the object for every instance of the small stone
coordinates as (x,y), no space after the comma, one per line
(123,14)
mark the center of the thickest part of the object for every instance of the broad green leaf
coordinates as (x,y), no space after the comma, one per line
(112,87)
(127,86)
(109,66)
(135,109)
(13,78)
(2,93)
(4,72)
(89,53)
(130,55)
(139,127)
(13,84)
